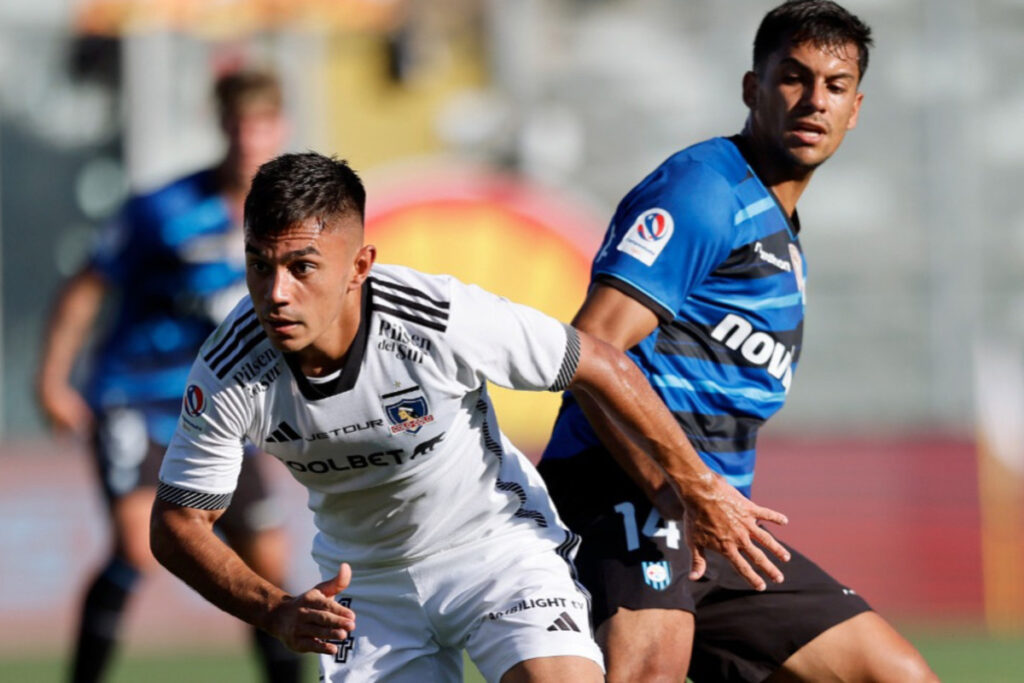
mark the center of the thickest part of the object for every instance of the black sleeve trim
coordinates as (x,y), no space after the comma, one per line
(193,499)
(664,315)
(570,361)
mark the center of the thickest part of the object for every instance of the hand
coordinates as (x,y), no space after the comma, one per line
(721,518)
(305,623)
(65,408)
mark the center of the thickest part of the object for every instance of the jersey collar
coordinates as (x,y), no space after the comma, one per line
(792,222)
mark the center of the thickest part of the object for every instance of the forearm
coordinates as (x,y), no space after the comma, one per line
(183,541)
(640,467)
(69,325)
(641,424)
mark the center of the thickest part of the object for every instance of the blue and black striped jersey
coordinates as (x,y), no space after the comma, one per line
(175,256)
(706,246)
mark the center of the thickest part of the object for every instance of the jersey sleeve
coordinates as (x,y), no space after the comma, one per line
(509,344)
(200,469)
(668,234)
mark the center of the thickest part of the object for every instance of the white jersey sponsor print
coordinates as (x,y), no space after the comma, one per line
(401,450)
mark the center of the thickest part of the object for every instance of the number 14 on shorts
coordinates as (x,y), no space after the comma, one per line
(652,528)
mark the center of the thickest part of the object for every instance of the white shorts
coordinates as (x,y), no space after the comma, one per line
(499,601)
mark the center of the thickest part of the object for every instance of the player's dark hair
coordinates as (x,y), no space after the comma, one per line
(294,187)
(820,22)
(236,91)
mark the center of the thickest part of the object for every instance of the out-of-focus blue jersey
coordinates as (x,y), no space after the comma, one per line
(704,245)
(175,256)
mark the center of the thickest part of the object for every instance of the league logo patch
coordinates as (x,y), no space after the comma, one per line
(654,225)
(648,235)
(657,575)
(408,414)
(194,402)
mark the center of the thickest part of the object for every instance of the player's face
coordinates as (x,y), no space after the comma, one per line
(805,101)
(302,282)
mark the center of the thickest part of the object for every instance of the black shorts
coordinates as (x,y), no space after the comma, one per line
(127,459)
(632,559)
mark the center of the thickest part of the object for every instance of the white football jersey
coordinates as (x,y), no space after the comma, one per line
(401,450)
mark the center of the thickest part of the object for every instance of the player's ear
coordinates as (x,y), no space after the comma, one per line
(365,257)
(750,89)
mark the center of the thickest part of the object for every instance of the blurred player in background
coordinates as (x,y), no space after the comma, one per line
(370,383)
(701,277)
(172,262)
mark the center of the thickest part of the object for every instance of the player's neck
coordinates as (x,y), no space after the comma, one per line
(230,177)
(234,173)
(786,181)
(330,351)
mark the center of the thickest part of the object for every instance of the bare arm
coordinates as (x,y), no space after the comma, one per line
(182,539)
(71,320)
(635,425)
(622,322)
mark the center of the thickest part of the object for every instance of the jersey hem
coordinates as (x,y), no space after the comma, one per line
(193,499)
(664,314)
(570,361)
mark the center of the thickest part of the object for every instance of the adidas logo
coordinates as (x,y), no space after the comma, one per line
(564,623)
(284,432)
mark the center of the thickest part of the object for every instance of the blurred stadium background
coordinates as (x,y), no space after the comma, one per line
(495,137)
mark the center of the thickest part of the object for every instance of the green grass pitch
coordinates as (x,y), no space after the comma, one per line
(956,657)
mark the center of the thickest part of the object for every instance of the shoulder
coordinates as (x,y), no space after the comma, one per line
(421,298)
(696,188)
(720,157)
(712,166)
(238,348)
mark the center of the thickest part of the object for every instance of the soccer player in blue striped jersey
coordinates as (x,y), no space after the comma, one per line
(173,258)
(701,278)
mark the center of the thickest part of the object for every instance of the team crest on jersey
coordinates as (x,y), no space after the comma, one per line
(657,575)
(648,235)
(408,414)
(194,402)
(798,272)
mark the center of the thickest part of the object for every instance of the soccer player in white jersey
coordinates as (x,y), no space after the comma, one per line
(369,383)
